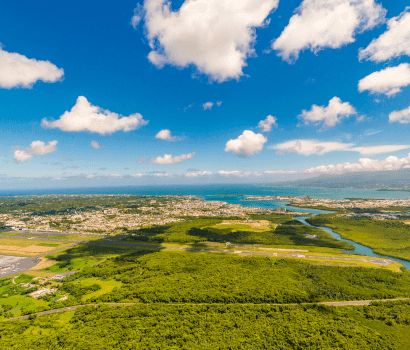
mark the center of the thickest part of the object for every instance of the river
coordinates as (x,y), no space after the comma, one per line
(359,248)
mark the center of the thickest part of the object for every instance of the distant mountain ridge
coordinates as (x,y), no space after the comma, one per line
(397,179)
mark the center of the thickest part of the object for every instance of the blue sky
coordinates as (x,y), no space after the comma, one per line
(117,75)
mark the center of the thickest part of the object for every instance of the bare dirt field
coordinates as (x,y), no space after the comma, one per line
(44,263)
(27,247)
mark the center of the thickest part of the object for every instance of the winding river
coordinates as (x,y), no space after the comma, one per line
(358,248)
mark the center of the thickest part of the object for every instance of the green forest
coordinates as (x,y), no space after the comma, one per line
(215,326)
(151,276)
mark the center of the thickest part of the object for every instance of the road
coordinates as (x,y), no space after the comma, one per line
(328,303)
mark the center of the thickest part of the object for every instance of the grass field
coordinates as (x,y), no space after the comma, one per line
(235,226)
(107,286)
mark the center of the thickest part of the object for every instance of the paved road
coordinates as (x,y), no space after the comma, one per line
(329,303)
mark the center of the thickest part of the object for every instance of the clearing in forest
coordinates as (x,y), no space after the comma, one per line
(248,225)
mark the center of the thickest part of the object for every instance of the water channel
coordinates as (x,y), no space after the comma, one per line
(358,248)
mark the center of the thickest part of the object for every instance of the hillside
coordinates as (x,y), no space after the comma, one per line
(378,179)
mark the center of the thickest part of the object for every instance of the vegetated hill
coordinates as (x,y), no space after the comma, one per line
(377,179)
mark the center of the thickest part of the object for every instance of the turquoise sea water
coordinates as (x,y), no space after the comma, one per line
(210,190)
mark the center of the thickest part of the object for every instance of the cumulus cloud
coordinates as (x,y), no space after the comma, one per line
(86,117)
(198,174)
(137,175)
(364,164)
(326,23)
(266,124)
(388,81)
(308,147)
(141,160)
(235,173)
(169,159)
(166,135)
(215,36)
(329,116)
(394,42)
(246,144)
(19,71)
(95,144)
(207,105)
(403,116)
(219,103)
(37,148)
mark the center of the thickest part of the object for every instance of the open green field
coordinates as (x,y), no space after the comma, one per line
(81,256)
(232,326)
(388,237)
(284,232)
(235,226)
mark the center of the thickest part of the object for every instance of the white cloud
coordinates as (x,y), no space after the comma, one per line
(394,42)
(137,175)
(326,23)
(308,147)
(387,81)
(235,173)
(95,144)
(19,71)
(331,115)
(86,117)
(379,149)
(168,159)
(207,105)
(37,148)
(138,15)
(215,36)
(364,164)
(141,160)
(219,103)
(113,176)
(246,144)
(279,172)
(266,124)
(198,174)
(162,175)
(403,116)
(166,135)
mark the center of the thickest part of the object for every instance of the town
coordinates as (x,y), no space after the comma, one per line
(159,210)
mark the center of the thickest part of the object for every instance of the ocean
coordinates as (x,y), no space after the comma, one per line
(224,192)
